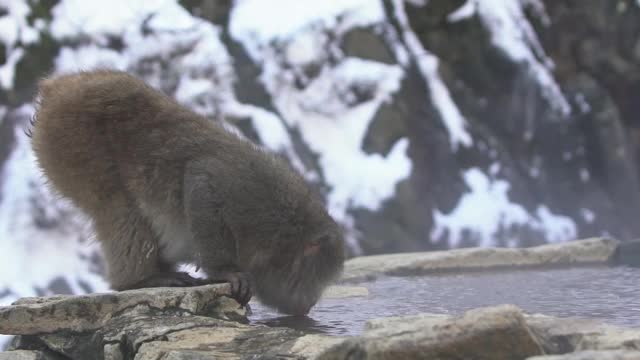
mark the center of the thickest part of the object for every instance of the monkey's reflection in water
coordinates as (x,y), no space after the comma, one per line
(303,323)
(324,319)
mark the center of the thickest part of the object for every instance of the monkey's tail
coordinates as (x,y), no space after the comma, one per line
(45,87)
(28,130)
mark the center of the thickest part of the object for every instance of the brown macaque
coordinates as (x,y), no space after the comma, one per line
(164,186)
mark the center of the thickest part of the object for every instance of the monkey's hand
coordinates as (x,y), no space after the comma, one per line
(169,279)
(241,284)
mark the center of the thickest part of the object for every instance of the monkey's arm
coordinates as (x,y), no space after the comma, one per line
(131,249)
(216,246)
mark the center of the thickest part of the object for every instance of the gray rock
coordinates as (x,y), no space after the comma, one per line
(593,355)
(490,333)
(168,323)
(22,355)
(568,335)
(394,321)
(588,251)
(242,341)
(203,323)
(93,311)
(628,253)
(365,43)
(311,346)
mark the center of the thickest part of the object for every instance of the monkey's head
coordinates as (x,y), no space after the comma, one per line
(302,262)
(293,246)
(287,240)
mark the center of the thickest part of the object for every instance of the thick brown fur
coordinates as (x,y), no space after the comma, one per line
(165,186)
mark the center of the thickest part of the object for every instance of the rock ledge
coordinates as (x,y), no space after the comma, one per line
(572,253)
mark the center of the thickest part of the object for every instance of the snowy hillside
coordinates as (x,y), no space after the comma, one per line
(425,124)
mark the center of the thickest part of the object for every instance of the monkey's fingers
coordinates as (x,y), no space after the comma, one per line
(240,287)
(240,283)
(245,291)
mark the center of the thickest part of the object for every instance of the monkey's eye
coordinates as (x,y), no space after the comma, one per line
(311,249)
(314,246)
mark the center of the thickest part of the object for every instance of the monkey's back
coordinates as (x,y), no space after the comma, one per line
(103,135)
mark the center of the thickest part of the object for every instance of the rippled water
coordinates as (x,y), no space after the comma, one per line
(608,293)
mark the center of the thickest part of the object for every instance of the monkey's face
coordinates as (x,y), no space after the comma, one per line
(297,275)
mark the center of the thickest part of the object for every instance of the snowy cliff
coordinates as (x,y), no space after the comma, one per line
(425,124)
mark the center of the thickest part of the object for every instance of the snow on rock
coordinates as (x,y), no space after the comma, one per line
(512,33)
(440,97)
(88,57)
(8,69)
(486,209)
(252,24)
(334,130)
(331,119)
(74,17)
(201,73)
(557,227)
(467,10)
(14,33)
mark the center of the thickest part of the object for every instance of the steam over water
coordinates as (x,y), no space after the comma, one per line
(611,294)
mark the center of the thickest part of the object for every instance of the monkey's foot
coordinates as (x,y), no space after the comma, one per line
(241,285)
(170,279)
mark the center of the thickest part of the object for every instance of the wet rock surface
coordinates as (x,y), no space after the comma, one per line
(593,355)
(580,252)
(205,323)
(493,333)
(23,355)
(168,323)
(90,312)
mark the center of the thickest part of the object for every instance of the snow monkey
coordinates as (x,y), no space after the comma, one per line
(164,186)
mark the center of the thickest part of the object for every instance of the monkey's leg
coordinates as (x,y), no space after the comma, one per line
(169,278)
(132,253)
(215,244)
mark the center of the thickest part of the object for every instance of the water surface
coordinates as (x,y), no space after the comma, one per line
(611,294)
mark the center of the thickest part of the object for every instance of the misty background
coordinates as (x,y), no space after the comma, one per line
(425,124)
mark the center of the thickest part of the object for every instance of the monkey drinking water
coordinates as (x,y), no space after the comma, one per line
(164,185)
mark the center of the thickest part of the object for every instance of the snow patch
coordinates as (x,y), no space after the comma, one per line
(14,33)
(335,131)
(14,27)
(306,48)
(89,57)
(486,209)
(74,17)
(556,227)
(584,175)
(252,21)
(465,11)
(8,70)
(588,215)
